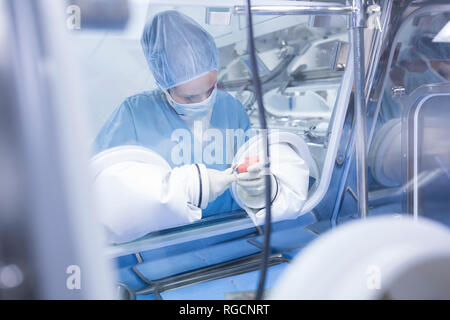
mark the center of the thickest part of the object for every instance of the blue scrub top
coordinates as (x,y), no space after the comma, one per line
(146,119)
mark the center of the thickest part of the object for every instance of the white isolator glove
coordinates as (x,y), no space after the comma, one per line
(219,182)
(251,186)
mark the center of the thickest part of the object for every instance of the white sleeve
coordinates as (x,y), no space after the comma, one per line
(135,198)
(292,180)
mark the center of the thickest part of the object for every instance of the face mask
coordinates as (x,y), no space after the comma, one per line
(193,110)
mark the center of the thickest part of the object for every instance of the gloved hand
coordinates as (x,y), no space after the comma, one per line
(219,182)
(251,186)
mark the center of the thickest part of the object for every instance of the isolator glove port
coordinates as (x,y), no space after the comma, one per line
(251,186)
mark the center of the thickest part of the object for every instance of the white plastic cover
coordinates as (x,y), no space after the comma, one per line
(388,257)
(137,192)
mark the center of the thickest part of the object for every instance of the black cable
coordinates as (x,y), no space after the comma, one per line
(263,124)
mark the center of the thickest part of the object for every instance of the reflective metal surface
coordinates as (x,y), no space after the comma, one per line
(297,9)
(357,36)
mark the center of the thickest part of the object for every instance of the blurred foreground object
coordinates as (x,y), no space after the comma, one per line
(380,258)
(98,14)
(50,240)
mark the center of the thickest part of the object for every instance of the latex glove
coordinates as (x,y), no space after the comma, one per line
(251,186)
(219,182)
(252,181)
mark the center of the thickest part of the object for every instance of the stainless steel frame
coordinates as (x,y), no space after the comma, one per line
(357,40)
(297,9)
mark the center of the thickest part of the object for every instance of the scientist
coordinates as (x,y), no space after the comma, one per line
(183,59)
(138,199)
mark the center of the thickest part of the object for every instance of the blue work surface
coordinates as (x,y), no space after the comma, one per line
(288,237)
(217,289)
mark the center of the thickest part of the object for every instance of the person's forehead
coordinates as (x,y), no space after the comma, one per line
(197,86)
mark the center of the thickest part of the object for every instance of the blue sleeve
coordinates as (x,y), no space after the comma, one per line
(245,122)
(240,113)
(118,130)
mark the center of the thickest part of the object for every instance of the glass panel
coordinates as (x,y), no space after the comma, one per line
(433,159)
(301,62)
(301,80)
(420,65)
